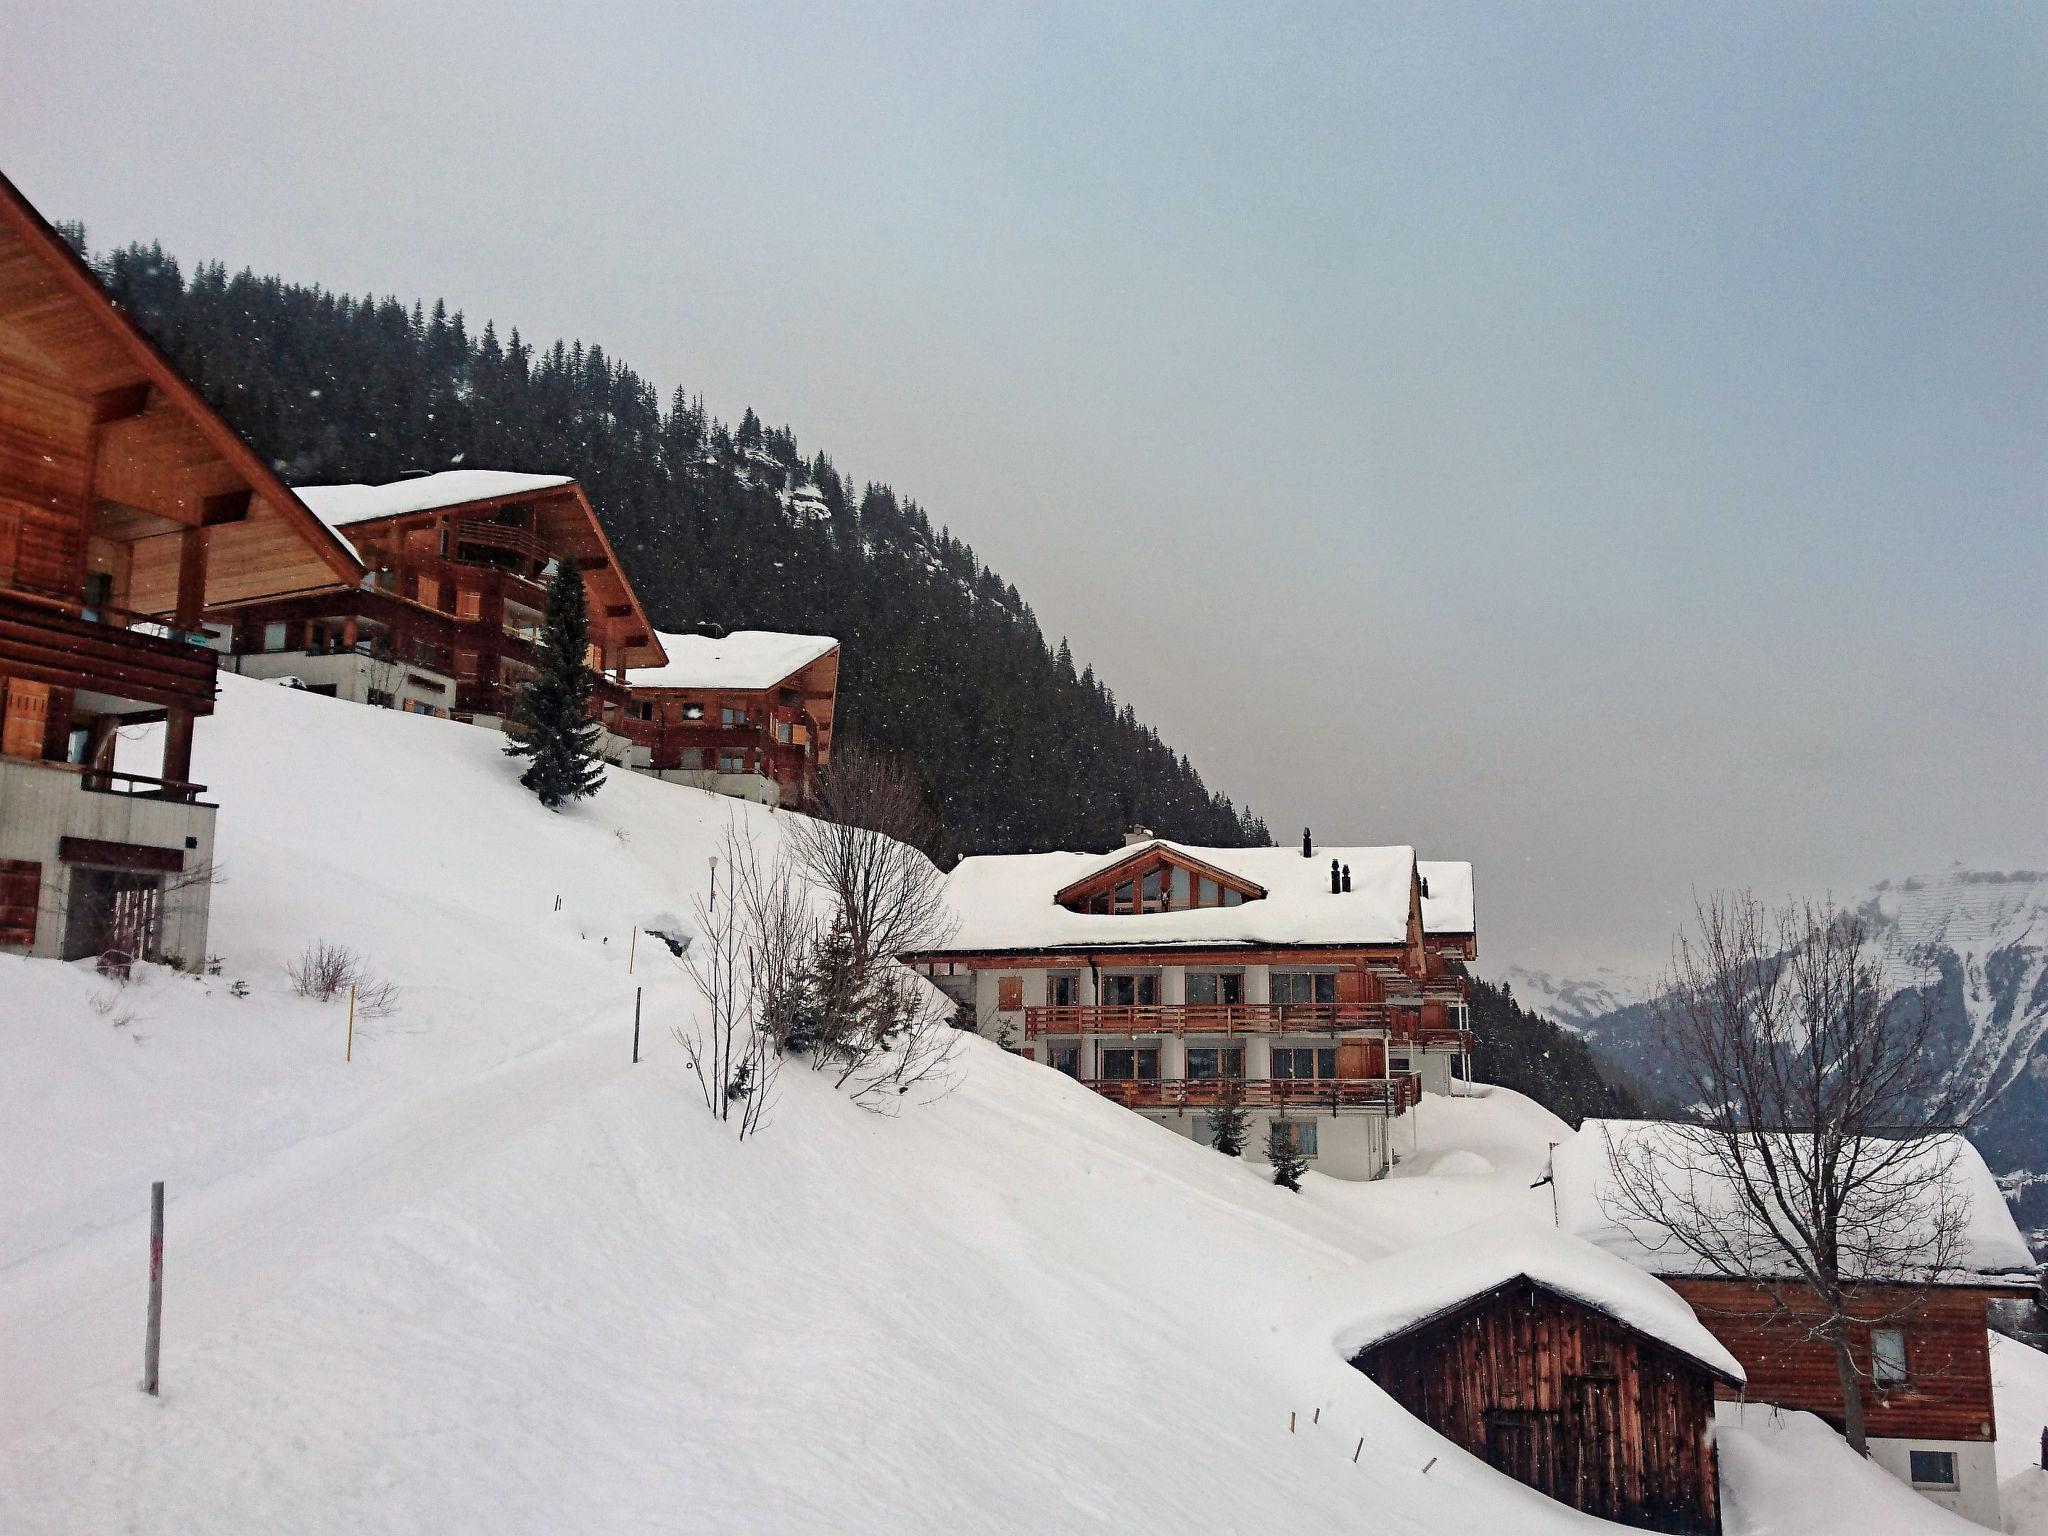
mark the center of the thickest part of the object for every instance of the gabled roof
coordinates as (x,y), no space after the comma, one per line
(1419,1285)
(352,510)
(1007,902)
(1147,853)
(1993,1251)
(58,321)
(1447,903)
(340,505)
(746,660)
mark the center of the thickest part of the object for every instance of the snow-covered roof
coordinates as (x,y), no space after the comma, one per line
(1005,901)
(1425,1282)
(1992,1250)
(1447,908)
(744,659)
(339,505)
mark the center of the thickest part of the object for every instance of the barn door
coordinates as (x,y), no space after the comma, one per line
(1511,1445)
(1595,1437)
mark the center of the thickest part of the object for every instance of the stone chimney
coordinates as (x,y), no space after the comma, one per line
(1308,847)
(1137,835)
(1336,880)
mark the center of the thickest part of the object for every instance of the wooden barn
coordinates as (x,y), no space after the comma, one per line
(127,507)
(1924,1352)
(1550,1361)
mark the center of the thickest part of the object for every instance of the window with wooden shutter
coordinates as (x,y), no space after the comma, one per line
(27,723)
(469,603)
(21,892)
(1010,993)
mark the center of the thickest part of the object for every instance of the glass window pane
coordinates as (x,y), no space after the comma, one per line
(1180,889)
(1148,990)
(1326,1061)
(1887,1357)
(1201,1061)
(1230,897)
(1326,989)
(1231,987)
(1202,987)
(1210,894)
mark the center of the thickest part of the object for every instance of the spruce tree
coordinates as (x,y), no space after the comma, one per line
(1228,1123)
(551,724)
(1288,1164)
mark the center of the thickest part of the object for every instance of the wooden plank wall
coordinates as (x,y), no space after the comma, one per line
(1567,1400)
(1948,1359)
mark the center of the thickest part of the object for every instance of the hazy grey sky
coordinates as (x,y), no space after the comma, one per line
(1606,442)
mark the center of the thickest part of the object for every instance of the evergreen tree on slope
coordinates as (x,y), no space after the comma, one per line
(550,724)
(1288,1163)
(1228,1122)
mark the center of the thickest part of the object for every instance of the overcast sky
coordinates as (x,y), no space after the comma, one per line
(1606,443)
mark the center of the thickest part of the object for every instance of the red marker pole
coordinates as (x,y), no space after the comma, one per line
(152,1341)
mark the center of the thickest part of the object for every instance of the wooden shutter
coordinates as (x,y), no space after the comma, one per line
(1010,993)
(1351,986)
(21,892)
(469,603)
(27,725)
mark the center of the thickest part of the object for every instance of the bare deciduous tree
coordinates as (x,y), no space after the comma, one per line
(324,971)
(749,961)
(1817,1164)
(882,1028)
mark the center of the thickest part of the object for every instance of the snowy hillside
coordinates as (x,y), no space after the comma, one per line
(489,1276)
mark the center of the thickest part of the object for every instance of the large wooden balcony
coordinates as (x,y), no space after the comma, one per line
(1328,1095)
(47,640)
(1208,1019)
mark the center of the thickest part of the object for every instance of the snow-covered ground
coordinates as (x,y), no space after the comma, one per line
(489,1276)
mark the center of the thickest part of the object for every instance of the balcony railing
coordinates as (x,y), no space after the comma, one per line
(1335,1095)
(1459,1040)
(45,640)
(503,536)
(1204,1018)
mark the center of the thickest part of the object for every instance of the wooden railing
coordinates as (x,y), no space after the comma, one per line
(1203,1018)
(1376,1095)
(45,641)
(111,781)
(1444,1039)
(503,536)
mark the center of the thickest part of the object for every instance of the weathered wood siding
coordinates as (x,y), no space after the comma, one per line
(1948,1358)
(1566,1399)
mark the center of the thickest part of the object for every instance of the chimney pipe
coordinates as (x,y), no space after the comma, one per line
(1347,879)
(1336,881)
(1308,848)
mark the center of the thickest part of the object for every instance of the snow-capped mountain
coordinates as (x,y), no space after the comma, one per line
(1985,933)
(1575,1001)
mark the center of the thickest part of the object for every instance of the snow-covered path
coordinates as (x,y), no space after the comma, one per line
(232,1244)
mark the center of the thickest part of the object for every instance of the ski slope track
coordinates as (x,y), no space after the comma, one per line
(488,1276)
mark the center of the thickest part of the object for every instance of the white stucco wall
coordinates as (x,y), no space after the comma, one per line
(41,805)
(352,676)
(1975,1496)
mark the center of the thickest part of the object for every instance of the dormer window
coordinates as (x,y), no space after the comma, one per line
(1153,879)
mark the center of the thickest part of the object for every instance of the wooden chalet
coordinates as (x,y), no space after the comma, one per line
(127,509)
(746,714)
(1925,1353)
(449,619)
(1532,1353)
(1158,971)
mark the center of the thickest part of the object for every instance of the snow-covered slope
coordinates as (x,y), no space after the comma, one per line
(489,1276)
(1575,1001)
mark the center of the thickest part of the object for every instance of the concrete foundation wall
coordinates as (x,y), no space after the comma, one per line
(40,805)
(1975,1495)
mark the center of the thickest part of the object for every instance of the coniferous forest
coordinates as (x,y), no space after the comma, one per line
(941,660)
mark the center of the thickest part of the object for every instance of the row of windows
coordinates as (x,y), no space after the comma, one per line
(1140,1063)
(1164,889)
(1126,989)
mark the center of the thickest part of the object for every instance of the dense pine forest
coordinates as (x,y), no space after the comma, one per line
(942,659)
(1526,1052)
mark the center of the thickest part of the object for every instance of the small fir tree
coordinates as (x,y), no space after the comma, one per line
(1228,1122)
(550,720)
(1288,1163)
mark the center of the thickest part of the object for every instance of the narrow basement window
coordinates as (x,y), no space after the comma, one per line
(1932,1469)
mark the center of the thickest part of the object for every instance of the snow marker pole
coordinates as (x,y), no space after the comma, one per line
(349,1054)
(636,1026)
(632,949)
(1290,1422)
(152,1340)
(1354,1454)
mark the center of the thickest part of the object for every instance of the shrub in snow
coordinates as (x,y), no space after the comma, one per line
(1288,1163)
(324,971)
(1229,1125)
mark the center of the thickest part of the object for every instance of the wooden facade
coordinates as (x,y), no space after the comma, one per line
(780,733)
(127,507)
(458,592)
(1946,1393)
(1565,1398)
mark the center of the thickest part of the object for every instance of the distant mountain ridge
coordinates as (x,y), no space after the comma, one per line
(1985,932)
